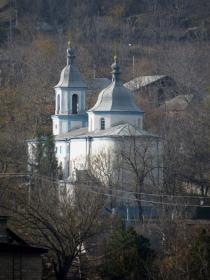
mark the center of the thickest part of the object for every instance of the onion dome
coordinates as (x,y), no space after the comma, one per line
(115,97)
(70,75)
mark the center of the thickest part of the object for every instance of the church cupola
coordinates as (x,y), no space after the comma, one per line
(70,95)
(115,105)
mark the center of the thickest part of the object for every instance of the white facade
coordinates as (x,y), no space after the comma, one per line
(64,101)
(83,149)
(114,118)
(96,120)
(70,94)
(62,154)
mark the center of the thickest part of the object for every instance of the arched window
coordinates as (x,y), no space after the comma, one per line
(74,104)
(102,123)
(58,103)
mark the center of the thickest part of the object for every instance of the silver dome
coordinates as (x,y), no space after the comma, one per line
(116,97)
(70,75)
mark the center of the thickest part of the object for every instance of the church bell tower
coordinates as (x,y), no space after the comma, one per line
(70,95)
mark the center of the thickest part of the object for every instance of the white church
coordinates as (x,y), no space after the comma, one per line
(114,120)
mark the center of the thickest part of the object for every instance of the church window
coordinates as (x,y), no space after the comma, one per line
(102,123)
(58,103)
(75,104)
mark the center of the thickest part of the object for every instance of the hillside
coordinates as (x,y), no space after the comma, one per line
(161,38)
(145,20)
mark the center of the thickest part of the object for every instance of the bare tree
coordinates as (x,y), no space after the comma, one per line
(132,167)
(142,167)
(54,217)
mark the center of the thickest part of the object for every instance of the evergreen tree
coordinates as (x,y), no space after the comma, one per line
(128,256)
(49,165)
(46,163)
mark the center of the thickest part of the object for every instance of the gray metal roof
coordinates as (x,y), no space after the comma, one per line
(70,75)
(98,84)
(121,130)
(143,81)
(115,97)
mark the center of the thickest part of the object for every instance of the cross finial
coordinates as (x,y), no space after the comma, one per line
(70,54)
(115,70)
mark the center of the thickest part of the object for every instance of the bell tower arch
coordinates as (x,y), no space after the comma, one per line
(70,95)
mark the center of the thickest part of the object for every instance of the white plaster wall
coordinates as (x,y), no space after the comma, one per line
(57,92)
(100,145)
(62,126)
(62,155)
(55,127)
(94,120)
(66,100)
(31,154)
(59,126)
(76,124)
(90,121)
(148,153)
(83,101)
(82,149)
(78,155)
(131,119)
(63,101)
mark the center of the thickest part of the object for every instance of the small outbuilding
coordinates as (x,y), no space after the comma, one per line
(156,89)
(18,259)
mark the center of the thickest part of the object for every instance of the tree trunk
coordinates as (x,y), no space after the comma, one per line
(140,210)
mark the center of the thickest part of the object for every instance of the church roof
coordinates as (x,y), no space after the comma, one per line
(97,84)
(70,75)
(120,130)
(115,97)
